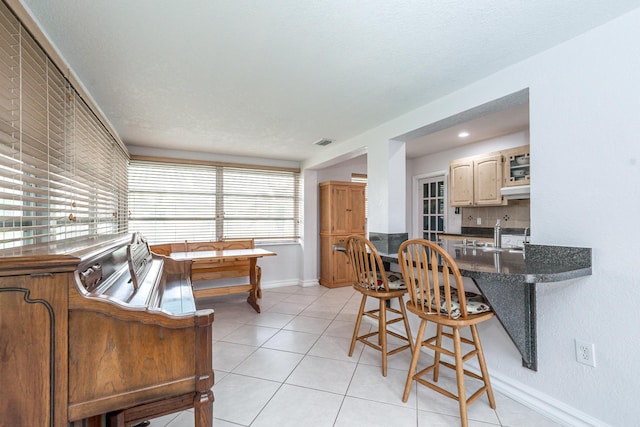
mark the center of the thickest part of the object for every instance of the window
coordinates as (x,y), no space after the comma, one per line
(62,174)
(432,192)
(176,201)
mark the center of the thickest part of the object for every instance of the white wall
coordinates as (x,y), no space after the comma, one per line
(585,122)
(343,170)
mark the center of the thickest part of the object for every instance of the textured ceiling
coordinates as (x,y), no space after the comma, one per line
(268,78)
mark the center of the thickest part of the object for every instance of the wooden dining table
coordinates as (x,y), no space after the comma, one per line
(231,285)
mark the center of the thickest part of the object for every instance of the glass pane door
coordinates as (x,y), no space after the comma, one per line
(433,207)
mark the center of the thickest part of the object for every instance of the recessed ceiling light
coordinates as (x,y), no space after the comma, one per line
(463,134)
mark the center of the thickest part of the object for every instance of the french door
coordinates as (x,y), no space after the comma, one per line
(431,194)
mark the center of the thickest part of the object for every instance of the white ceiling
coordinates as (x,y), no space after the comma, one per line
(268,78)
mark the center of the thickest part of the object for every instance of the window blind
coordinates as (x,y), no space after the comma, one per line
(181,201)
(172,201)
(61,173)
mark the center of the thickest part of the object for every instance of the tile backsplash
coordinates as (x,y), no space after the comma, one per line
(514,215)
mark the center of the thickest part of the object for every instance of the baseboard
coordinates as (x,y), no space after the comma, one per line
(279,284)
(308,283)
(542,403)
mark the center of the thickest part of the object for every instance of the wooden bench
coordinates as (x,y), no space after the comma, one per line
(213,277)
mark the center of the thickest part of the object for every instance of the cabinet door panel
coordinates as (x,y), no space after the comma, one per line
(335,269)
(516,167)
(357,210)
(461,182)
(340,201)
(488,179)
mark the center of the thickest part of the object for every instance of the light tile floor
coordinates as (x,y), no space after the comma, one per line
(289,366)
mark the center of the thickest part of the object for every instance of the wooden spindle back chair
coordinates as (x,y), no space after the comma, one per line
(439,297)
(370,279)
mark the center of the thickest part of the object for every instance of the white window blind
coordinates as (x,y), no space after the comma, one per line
(172,201)
(61,173)
(181,201)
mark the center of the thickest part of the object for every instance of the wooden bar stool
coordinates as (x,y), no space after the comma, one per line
(435,299)
(370,279)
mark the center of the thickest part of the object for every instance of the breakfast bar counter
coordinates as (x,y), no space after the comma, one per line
(508,277)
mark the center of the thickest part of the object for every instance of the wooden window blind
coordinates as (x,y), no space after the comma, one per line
(181,201)
(61,173)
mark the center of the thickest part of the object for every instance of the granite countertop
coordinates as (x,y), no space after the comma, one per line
(534,264)
(507,278)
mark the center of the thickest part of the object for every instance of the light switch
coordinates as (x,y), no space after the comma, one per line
(479,221)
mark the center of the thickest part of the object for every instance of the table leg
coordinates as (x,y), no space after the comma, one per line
(254,293)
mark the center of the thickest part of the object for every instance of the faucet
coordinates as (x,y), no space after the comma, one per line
(526,232)
(497,235)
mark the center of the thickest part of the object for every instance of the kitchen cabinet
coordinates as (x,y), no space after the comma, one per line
(342,213)
(342,207)
(476,181)
(516,167)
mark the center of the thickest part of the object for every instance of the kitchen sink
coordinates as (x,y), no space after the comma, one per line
(490,248)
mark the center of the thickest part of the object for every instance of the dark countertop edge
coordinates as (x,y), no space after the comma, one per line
(487,231)
(528,277)
(580,265)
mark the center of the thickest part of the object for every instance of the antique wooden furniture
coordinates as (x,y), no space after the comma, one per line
(101,331)
(438,299)
(370,279)
(342,213)
(221,267)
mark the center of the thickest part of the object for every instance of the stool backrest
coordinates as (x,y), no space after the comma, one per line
(436,277)
(366,264)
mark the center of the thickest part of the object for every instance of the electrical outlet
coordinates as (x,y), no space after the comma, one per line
(586,353)
(479,221)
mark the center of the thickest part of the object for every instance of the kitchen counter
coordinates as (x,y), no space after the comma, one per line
(534,264)
(508,279)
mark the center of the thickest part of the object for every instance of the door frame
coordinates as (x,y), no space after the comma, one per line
(416,228)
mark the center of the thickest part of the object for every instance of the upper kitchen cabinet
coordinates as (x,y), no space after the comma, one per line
(476,181)
(461,182)
(516,167)
(342,208)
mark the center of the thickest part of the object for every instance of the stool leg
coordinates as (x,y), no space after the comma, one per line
(405,319)
(462,396)
(414,360)
(382,334)
(357,328)
(483,365)
(436,356)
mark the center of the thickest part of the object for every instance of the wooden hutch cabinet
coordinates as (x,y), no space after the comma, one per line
(342,213)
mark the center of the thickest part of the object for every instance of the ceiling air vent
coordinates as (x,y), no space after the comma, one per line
(323,142)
